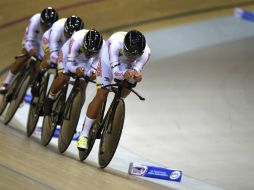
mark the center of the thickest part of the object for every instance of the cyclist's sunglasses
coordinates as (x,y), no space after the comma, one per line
(90,52)
(131,54)
(67,33)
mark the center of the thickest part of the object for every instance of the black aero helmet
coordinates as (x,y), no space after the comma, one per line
(134,43)
(73,24)
(93,41)
(48,17)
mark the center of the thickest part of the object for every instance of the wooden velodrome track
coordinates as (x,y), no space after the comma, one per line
(24,163)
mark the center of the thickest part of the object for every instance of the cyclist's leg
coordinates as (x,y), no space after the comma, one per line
(36,65)
(19,62)
(45,64)
(41,68)
(104,77)
(44,52)
(56,86)
(14,69)
(83,85)
(59,81)
(94,108)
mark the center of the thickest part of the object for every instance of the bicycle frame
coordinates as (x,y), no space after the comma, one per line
(76,87)
(103,125)
(68,105)
(117,90)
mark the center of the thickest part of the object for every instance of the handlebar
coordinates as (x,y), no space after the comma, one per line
(34,57)
(122,83)
(85,77)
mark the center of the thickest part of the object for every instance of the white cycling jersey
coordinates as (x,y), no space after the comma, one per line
(113,63)
(33,34)
(72,55)
(53,39)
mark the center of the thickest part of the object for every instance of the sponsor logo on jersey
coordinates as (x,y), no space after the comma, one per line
(71,44)
(99,68)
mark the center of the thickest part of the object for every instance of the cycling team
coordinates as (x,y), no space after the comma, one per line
(74,49)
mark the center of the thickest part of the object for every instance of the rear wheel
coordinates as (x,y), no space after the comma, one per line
(70,122)
(50,122)
(111,134)
(16,101)
(36,107)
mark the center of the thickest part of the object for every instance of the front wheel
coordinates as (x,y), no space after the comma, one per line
(3,103)
(111,134)
(70,121)
(16,101)
(50,122)
(4,99)
(36,107)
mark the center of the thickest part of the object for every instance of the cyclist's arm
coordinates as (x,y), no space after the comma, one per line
(114,49)
(93,63)
(45,41)
(141,62)
(31,32)
(54,38)
(117,73)
(72,66)
(73,53)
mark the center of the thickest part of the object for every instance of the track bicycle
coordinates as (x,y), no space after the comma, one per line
(72,112)
(109,128)
(17,91)
(36,105)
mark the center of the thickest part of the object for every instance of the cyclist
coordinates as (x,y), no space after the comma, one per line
(38,24)
(52,41)
(79,55)
(123,57)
